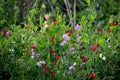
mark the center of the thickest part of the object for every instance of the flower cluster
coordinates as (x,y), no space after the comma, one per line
(94,47)
(71,68)
(66,38)
(6,32)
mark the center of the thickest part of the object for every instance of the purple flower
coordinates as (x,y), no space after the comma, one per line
(72,49)
(63,43)
(66,37)
(83,64)
(64,57)
(32,32)
(78,27)
(37,55)
(78,34)
(71,67)
(43,62)
(69,73)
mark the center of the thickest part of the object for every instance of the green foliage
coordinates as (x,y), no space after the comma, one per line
(92,49)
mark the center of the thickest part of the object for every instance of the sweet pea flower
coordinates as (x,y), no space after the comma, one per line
(82,65)
(92,75)
(57,57)
(37,55)
(43,62)
(69,32)
(99,30)
(109,31)
(55,22)
(52,51)
(6,32)
(100,55)
(52,73)
(32,32)
(84,58)
(46,67)
(47,16)
(72,49)
(33,46)
(112,24)
(74,64)
(39,64)
(64,57)
(78,35)
(104,58)
(69,72)
(71,67)
(66,37)
(63,43)
(47,25)
(78,27)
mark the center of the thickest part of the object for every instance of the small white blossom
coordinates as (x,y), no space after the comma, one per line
(71,67)
(74,64)
(100,55)
(46,26)
(43,62)
(104,58)
(33,56)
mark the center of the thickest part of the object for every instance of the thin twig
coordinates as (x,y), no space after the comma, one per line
(51,6)
(68,9)
(74,14)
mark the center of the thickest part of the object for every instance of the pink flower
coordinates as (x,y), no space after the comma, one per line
(47,16)
(32,32)
(78,27)
(47,25)
(6,32)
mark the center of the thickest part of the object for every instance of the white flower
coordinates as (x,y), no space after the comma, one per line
(33,56)
(74,64)
(46,26)
(39,64)
(43,62)
(100,55)
(11,50)
(104,58)
(71,67)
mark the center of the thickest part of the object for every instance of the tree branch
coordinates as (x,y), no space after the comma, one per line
(74,14)
(51,6)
